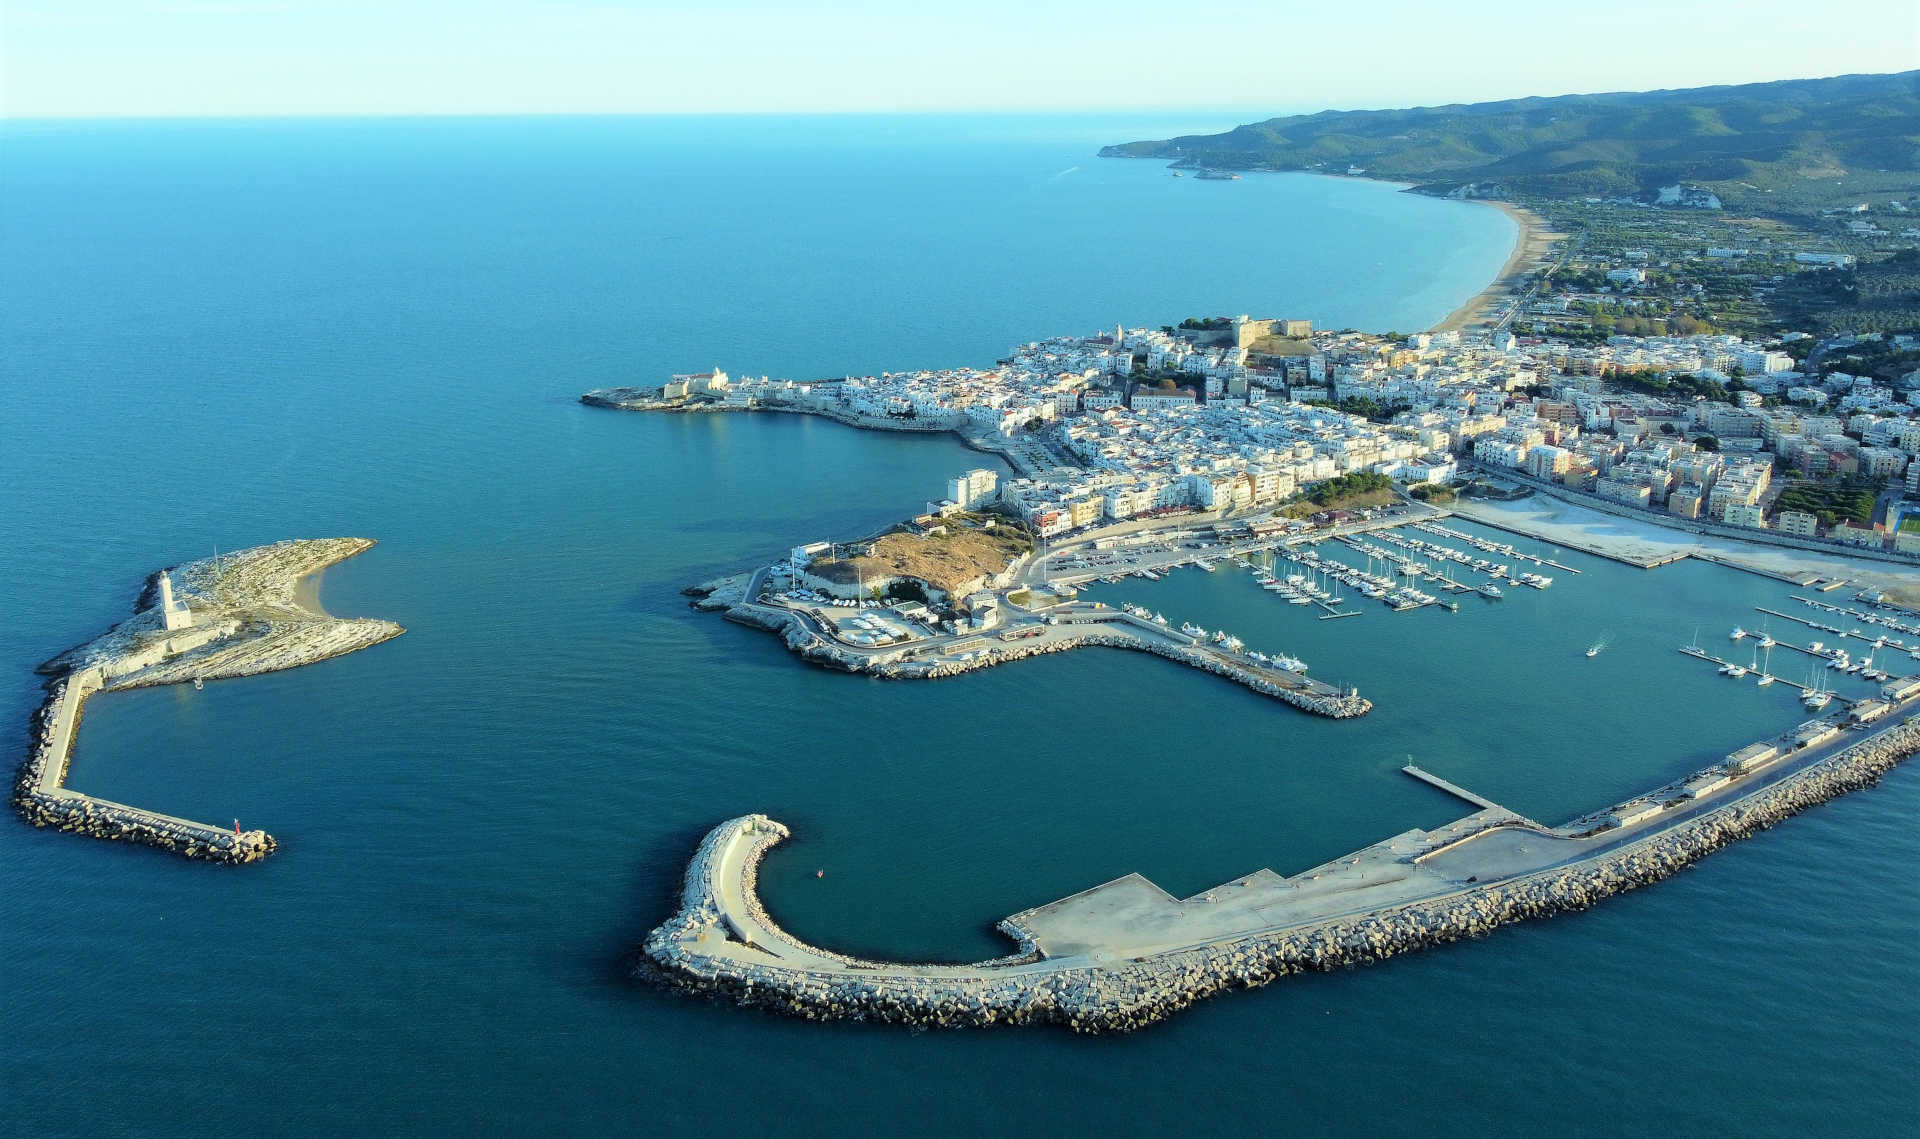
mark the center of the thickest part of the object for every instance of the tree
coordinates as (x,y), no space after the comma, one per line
(1706,443)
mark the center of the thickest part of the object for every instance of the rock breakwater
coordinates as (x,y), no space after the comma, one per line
(901,664)
(244,616)
(722,943)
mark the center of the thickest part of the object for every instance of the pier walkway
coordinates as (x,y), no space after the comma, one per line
(1453,789)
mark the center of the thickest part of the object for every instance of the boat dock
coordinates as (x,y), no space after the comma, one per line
(1454,789)
(1891,642)
(1702,654)
(1484,545)
(1870,618)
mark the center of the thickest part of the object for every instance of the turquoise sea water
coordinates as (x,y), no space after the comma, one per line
(221,334)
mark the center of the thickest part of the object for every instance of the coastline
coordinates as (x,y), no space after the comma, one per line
(1529,246)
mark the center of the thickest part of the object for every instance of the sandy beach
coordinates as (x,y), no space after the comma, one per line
(1532,244)
(306,594)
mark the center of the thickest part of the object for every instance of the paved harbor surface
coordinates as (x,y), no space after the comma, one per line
(1126,952)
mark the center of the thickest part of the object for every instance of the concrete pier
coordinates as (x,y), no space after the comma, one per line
(246,618)
(1126,954)
(1070,626)
(1453,789)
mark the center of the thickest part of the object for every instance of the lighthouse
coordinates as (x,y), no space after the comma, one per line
(174,614)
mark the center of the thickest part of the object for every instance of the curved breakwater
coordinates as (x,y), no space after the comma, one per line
(243,619)
(1299,691)
(756,964)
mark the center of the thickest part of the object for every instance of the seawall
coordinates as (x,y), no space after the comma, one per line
(1310,696)
(247,620)
(1129,993)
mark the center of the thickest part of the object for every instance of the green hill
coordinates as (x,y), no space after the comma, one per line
(1782,136)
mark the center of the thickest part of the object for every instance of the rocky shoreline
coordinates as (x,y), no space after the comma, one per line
(247,620)
(816,649)
(648,399)
(1131,995)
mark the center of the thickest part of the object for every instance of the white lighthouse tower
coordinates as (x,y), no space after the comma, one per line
(174,614)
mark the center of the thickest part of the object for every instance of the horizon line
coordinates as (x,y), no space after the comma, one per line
(1259,113)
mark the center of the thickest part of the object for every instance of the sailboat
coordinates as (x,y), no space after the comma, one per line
(1817,697)
(1766,670)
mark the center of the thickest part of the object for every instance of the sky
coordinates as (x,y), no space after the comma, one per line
(117,58)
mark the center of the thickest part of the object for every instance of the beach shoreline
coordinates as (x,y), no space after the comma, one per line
(1529,246)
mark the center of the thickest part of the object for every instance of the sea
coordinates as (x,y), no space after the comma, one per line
(216,334)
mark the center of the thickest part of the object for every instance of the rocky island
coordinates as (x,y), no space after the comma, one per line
(234,615)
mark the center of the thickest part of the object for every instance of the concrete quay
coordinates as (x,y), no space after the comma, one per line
(1126,954)
(245,613)
(1080,625)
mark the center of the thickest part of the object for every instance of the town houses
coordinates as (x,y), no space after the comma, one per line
(1235,414)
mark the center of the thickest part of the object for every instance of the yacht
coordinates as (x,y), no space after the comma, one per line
(1738,634)
(1491,590)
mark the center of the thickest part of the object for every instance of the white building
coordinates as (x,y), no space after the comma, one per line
(974,488)
(174,614)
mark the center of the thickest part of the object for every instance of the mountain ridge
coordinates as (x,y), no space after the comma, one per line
(1758,137)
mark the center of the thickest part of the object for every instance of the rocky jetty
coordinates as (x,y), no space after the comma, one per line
(1131,993)
(1310,696)
(237,615)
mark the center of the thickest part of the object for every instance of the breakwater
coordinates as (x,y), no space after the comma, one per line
(900,664)
(41,798)
(722,943)
(240,615)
